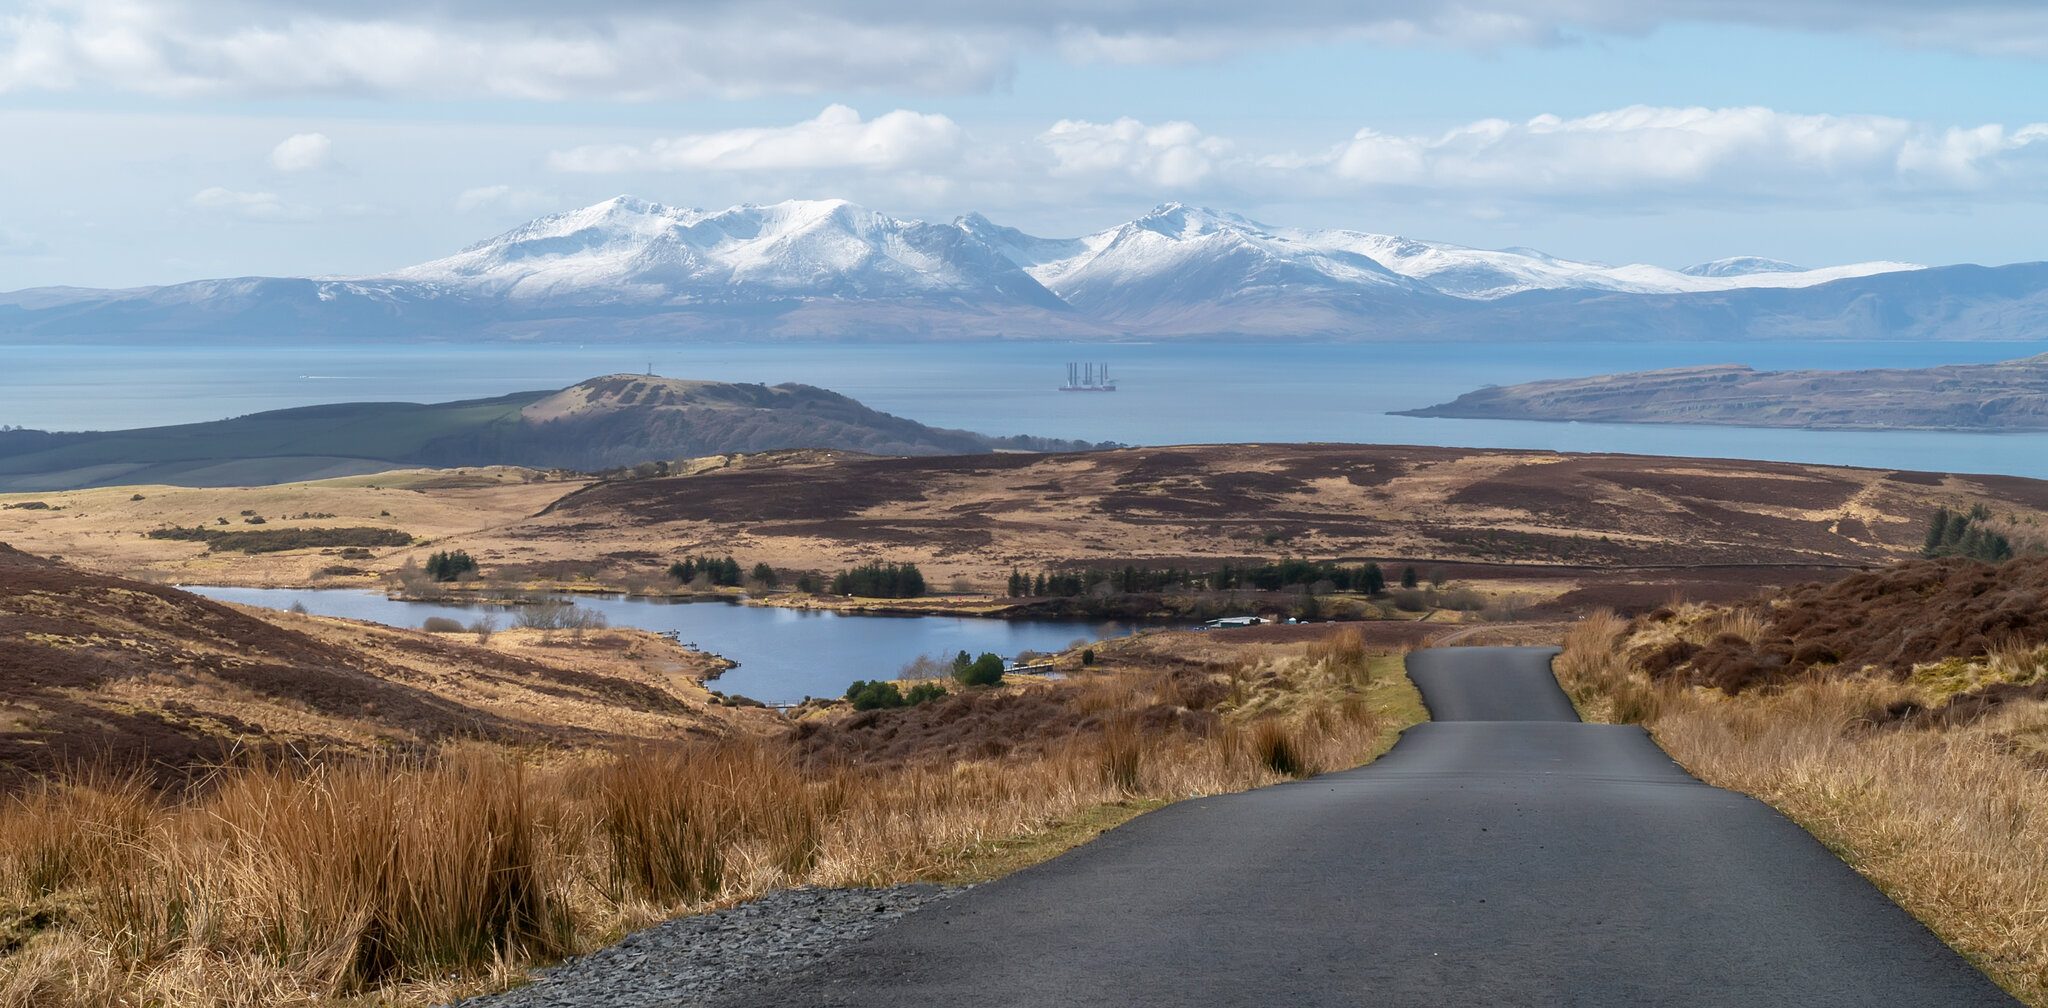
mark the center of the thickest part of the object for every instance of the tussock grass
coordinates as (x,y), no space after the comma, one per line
(398,881)
(1949,821)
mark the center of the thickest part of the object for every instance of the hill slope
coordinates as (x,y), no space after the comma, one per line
(603,423)
(2008,396)
(101,667)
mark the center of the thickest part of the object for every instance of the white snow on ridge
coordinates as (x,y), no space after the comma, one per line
(631,250)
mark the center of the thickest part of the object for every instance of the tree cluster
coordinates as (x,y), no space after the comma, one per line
(723,571)
(880,580)
(1961,533)
(450,565)
(1302,574)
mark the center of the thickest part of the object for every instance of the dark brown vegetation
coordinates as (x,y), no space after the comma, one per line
(280,540)
(102,670)
(1887,621)
(1252,503)
(1901,716)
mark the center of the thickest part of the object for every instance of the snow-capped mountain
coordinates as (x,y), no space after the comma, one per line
(827,269)
(626,250)
(1174,237)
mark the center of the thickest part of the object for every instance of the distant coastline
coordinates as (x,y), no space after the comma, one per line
(2006,397)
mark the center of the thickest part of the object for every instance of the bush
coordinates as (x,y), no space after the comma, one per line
(923,692)
(1276,748)
(1410,600)
(450,565)
(555,614)
(986,670)
(875,695)
(1087,656)
(441,624)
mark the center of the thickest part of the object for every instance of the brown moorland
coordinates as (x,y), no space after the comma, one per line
(976,517)
(1570,532)
(409,880)
(97,669)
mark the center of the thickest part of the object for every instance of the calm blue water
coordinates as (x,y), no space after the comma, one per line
(1171,393)
(784,654)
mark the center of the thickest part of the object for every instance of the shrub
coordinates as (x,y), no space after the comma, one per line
(450,565)
(441,624)
(1275,748)
(555,614)
(137,497)
(923,692)
(986,670)
(1087,656)
(875,695)
(763,575)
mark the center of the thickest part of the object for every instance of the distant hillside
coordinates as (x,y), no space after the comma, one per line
(604,423)
(2010,396)
(99,668)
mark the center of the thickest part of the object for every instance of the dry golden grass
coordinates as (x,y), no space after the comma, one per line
(408,882)
(1950,822)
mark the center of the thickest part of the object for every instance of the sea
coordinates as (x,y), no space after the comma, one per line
(1168,393)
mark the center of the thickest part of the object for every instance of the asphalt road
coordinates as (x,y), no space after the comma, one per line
(1503,854)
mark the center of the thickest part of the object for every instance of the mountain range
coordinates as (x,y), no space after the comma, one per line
(828,269)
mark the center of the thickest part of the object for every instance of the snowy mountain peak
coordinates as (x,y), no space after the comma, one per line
(1741,266)
(632,250)
(1175,264)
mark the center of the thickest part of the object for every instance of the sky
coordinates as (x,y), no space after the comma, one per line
(155,141)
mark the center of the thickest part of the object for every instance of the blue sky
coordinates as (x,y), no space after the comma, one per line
(150,141)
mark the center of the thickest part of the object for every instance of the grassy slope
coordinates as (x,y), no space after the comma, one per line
(1949,820)
(480,864)
(379,432)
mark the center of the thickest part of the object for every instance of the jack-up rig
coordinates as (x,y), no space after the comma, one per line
(1088,378)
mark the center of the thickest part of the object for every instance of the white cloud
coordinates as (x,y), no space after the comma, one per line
(641,49)
(260,206)
(503,199)
(1171,155)
(1638,159)
(1642,154)
(837,138)
(302,152)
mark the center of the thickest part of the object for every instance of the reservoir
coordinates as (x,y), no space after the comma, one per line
(784,654)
